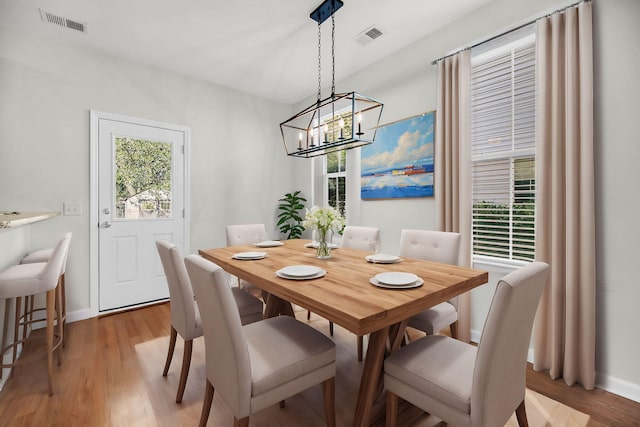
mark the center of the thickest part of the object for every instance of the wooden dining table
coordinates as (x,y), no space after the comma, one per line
(345,296)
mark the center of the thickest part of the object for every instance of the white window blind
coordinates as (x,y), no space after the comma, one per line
(503,150)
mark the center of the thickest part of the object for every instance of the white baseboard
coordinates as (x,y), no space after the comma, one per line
(611,384)
(74,316)
(475,336)
(617,386)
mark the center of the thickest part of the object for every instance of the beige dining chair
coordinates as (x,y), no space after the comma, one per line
(29,280)
(185,317)
(438,246)
(246,234)
(464,385)
(260,364)
(361,238)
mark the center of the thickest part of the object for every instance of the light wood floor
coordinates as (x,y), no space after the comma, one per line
(111,375)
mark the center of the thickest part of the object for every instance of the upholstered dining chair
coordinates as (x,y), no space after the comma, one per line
(260,364)
(43,255)
(29,280)
(185,317)
(438,246)
(361,238)
(245,234)
(466,385)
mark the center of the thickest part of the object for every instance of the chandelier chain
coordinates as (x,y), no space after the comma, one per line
(333,54)
(319,63)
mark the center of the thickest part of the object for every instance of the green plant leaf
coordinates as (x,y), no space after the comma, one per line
(289,218)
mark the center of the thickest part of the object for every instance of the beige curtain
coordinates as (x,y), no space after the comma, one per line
(452,164)
(564,332)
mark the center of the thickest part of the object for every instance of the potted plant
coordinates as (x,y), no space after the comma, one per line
(289,219)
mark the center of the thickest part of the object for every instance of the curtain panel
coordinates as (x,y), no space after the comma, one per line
(564,331)
(452,177)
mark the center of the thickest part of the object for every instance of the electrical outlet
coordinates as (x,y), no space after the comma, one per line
(72,209)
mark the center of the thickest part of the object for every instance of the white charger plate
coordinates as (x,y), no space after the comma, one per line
(296,271)
(396,278)
(383,259)
(416,284)
(268,244)
(313,276)
(249,255)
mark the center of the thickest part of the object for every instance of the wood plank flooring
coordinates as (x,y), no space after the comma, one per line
(111,375)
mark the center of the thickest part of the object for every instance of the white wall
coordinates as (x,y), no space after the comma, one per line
(406,83)
(47,90)
(617,152)
(238,166)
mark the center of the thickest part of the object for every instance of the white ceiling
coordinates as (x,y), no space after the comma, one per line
(264,47)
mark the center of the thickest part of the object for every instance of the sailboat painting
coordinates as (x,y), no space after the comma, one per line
(399,164)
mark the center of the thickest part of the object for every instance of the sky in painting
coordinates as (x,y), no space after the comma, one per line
(400,144)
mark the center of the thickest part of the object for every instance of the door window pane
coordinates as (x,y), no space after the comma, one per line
(142,179)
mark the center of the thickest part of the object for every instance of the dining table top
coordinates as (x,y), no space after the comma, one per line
(345,294)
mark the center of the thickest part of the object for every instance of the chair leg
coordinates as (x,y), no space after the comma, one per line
(32,309)
(360,344)
(454,329)
(331,328)
(392,409)
(206,404)
(63,298)
(329,397)
(244,422)
(51,301)
(24,316)
(16,331)
(308,315)
(521,415)
(186,362)
(172,346)
(59,323)
(281,404)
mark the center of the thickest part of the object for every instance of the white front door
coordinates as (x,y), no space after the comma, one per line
(141,199)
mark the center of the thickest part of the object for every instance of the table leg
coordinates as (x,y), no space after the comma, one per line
(396,335)
(381,344)
(370,376)
(276,306)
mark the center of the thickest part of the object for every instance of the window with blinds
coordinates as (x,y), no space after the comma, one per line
(503,149)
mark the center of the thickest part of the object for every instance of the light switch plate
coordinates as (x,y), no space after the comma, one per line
(72,208)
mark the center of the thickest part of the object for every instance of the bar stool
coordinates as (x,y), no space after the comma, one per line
(43,255)
(28,280)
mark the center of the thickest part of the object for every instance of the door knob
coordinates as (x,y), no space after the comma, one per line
(105,224)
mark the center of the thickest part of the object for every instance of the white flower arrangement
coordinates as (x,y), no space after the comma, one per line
(323,219)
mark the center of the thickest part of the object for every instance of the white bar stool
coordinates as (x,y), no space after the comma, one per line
(28,280)
(43,255)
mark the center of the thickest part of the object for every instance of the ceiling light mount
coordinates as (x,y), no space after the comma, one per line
(326,10)
(339,122)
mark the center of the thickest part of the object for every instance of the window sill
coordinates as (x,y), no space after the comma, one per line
(497,263)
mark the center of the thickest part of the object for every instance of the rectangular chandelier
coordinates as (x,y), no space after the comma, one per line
(339,122)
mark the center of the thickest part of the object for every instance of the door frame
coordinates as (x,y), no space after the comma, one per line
(94,117)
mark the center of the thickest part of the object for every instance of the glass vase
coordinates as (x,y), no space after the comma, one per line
(323,251)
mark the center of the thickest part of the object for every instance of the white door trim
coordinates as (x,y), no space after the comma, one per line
(93,191)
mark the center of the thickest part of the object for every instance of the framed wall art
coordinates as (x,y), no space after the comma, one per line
(399,164)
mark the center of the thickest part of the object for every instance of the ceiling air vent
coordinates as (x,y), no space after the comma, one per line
(62,21)
(368,35)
